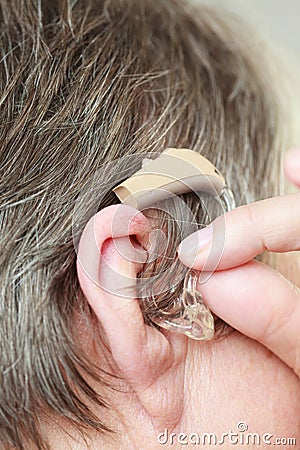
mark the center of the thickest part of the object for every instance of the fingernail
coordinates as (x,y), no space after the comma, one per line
(191,246)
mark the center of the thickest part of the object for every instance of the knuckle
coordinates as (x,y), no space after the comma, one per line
(279,321)
(297,360)
(255,222)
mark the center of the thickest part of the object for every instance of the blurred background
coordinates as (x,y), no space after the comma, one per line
(278,22)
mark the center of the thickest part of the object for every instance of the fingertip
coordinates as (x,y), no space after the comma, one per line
(193,250)
(292,166)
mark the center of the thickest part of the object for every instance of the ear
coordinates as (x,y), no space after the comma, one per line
(152,362)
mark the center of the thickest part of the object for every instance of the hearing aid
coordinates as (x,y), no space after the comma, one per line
(177,171)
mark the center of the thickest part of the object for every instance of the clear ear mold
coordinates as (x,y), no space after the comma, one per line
(192,317)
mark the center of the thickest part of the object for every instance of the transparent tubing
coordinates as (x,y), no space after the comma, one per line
(193,318)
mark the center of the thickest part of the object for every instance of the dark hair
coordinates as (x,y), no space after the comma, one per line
(82,84)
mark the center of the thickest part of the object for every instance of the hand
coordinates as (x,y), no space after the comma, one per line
(247,294)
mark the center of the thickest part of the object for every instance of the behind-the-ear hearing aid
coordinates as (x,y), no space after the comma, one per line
(174,172)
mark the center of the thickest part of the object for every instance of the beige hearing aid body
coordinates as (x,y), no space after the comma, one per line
(175,171)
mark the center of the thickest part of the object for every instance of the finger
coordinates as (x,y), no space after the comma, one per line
(292,166)
(242,234)
(261,304)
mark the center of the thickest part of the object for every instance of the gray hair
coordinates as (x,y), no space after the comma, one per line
(81,84)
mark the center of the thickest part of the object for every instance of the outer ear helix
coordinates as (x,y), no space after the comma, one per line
(113,222)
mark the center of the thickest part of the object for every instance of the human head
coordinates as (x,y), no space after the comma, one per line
(83,85)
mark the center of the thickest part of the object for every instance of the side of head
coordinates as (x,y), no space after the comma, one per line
(85,90)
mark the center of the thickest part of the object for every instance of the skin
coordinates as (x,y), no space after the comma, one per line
(169,381)
(262,304)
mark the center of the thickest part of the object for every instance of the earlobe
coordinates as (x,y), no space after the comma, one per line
(107,266)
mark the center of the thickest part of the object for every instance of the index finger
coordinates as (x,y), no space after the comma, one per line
(268,225)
